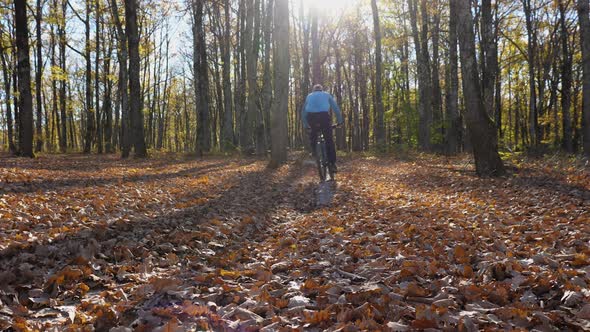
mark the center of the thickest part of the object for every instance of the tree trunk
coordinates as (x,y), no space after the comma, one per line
(553,104)
(437,116)
(488,75)
(54,99)
(361,90)
(576,113)
(379,124)
(281,83)
(135,108)
(163,104)
(15,97)
(227,128)
(253,43)
(98,34)
(584,20)
(340,131)
(123,92)
(24,80)
(304,75)
(187,127)
(354,120)
(61,32)
(352,116)
(107,105)
(48,141)
(452,84)
(566,81)
(498,75)
(47,122)
(424,78)
(7,89)
(517,120)
(255,112)
(89,97)
(201,80)
(246,141)
(498,100)
(162,111)
(73,141)
(152,98)
(216,102)
(583,9)
(267,78)
(316,76)
(240,75)
(38,77)
(479,125)
(531,49)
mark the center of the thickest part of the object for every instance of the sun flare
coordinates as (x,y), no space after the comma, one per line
(330,7)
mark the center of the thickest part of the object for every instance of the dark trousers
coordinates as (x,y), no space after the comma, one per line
(322,122)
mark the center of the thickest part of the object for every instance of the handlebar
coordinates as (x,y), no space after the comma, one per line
(331,126)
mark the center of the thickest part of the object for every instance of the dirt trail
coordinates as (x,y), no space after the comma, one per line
(231,245)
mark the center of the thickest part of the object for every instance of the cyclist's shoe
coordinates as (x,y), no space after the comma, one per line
(333,168)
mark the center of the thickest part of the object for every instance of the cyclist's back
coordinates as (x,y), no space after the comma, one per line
(318,101)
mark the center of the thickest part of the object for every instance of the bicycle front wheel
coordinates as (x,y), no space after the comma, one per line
(321,161)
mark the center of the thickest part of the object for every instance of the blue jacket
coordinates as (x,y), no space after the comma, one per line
(320,101)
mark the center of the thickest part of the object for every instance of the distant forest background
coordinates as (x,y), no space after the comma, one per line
(206,76)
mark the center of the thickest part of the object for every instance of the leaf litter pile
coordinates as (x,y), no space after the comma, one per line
(96,243)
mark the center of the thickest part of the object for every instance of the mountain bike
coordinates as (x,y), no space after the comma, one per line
(325,170)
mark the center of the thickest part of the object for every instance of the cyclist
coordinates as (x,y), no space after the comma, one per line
(317,117)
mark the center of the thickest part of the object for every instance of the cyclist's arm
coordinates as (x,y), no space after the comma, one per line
(336,110)
(304,115)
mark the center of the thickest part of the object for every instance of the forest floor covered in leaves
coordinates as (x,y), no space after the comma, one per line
(174,244)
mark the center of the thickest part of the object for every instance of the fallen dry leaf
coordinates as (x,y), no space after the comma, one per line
(93,242)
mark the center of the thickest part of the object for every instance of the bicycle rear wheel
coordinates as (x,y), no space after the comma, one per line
(321,160)
(327,167)
(331,173)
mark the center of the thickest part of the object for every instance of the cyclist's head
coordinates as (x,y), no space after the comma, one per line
(318,87)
